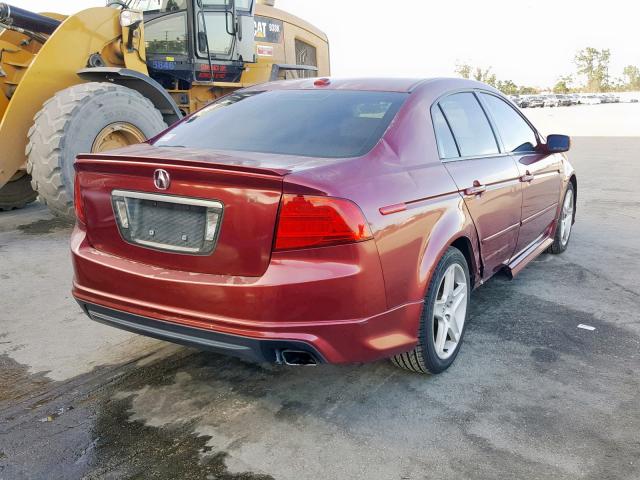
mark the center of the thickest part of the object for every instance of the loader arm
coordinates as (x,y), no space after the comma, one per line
(52,68)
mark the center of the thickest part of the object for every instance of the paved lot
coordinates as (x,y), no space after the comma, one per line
(606,120)
(530,396)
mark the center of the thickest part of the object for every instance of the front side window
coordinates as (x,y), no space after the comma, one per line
(167,35)
(213,25)
(330,123)
(517,136)
(469,125)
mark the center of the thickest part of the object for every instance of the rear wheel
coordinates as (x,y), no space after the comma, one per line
(443,319)
(90,117)
(17,192)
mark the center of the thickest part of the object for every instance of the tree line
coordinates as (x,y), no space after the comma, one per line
(591,75)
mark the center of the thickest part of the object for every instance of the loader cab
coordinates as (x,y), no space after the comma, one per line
(190,41)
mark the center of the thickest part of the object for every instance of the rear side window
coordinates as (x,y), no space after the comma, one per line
(516,134)
(446,144)
(469,124)
(329,123)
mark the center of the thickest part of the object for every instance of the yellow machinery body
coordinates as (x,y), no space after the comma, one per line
(32,73)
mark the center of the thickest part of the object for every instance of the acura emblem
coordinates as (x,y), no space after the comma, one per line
(161,179)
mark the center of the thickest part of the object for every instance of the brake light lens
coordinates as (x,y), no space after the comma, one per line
(306,222)
(77,201)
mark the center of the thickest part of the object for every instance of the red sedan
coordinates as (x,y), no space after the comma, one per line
(324,220)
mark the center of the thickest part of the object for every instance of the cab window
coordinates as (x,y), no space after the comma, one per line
(159,6)
(213,26)
(240,4)
(167,35)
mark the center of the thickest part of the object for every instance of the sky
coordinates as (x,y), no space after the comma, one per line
(530,42)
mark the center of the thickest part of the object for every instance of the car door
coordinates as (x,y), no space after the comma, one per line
(539,172)
(487,179)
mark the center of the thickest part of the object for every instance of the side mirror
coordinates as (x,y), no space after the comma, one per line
(202,42)
(558,143)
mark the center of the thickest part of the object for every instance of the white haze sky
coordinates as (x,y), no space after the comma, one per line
(529,42)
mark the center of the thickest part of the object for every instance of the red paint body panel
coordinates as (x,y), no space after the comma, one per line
(353,302)
(497,210)
(539,196)
(294,299)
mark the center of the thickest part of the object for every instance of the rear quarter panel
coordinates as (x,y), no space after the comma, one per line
(404,168)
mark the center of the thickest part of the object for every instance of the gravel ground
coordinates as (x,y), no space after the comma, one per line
(530,395)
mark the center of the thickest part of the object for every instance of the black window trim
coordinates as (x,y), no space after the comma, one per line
(498,139)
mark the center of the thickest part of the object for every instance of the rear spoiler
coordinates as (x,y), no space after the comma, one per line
(105,162)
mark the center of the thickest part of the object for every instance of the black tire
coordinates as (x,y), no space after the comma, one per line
(558,246)
(68,124)
(423,358)
(17,193)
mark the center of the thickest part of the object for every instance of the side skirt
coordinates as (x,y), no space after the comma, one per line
(526,256)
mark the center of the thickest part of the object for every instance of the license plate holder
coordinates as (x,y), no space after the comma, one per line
(167,222)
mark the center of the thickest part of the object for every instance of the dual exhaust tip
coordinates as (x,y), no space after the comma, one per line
(296,358)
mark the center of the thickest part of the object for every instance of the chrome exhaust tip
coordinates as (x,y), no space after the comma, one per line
(297,358)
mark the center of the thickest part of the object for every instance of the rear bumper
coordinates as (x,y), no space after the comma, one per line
(256,350)
(329,302)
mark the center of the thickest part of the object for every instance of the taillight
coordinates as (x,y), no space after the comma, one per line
(77,201)
(306,221)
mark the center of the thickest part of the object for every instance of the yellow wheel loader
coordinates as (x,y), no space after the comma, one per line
(112,76)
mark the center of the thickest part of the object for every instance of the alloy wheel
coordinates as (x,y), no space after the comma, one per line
(566,220)
(450,311)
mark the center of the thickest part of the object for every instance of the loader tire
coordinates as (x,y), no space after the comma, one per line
(89,117)
(17,193)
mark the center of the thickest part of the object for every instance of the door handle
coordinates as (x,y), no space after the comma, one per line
(477,188)
(527,177)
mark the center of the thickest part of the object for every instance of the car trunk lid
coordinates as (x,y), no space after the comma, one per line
(217,214)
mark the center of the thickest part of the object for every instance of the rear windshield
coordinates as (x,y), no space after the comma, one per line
(330,123)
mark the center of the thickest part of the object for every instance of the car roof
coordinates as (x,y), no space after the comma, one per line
(380,84)
(370,84)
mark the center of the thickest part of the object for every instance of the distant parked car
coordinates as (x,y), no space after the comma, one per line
(633,100)
(565,100)
(576,99)
(535,102)
(521,102)
(321,220)
(551,101)
(591,100)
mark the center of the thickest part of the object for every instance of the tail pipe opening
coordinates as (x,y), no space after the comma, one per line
(297,358)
